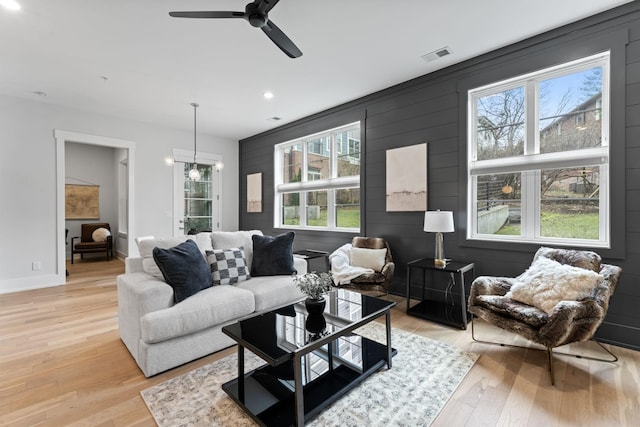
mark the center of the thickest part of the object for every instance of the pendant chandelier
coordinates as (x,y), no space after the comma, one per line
(194,173)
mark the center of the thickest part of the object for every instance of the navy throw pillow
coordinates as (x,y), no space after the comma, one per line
(184,269)
(272,256)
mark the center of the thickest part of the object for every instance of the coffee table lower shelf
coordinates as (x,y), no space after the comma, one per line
(271,402)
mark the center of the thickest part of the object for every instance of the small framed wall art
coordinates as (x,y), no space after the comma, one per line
(254,192)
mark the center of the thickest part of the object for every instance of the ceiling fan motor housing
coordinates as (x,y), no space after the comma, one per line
(255,17)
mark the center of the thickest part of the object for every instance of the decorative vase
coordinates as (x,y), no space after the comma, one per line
(315,306)
(315,323)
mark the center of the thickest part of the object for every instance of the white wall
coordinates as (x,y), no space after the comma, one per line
(28,220)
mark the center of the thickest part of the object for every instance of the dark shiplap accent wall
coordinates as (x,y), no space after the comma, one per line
(432,109)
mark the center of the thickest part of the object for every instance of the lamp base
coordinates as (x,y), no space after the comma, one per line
(440,262)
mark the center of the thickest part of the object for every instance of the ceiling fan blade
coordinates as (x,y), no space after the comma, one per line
(266,5)
(205,14)
(281,40)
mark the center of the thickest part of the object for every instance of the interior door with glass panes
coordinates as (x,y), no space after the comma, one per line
(197,206)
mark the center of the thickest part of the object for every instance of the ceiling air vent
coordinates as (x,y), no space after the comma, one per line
(436,54)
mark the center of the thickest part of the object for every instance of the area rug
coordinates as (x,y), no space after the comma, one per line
(424,375)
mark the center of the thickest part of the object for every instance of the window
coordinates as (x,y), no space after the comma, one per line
(538,156)
(317,180)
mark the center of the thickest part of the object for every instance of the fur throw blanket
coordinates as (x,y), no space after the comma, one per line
(341,267)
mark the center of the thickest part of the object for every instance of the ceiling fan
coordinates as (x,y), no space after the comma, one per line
(257,13)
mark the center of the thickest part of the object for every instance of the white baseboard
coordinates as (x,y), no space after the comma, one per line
(28,283)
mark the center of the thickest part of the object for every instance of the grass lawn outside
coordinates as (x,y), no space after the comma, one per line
(346,218)
(567,225)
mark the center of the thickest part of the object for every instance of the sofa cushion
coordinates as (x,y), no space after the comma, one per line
(547,282)
(273,256)
(272,291)
(184,268)
(228,266)
(213,306)
(368,258)
(146,245)
(235,239)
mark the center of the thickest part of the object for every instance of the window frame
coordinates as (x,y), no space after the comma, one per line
(331,184)
(532,162)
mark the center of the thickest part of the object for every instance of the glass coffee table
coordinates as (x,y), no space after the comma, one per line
(312,360)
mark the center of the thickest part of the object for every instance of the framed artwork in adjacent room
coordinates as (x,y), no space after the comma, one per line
(82,201)
(407,178)
(254,192)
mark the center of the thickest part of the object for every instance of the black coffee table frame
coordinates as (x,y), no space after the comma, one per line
(266,397)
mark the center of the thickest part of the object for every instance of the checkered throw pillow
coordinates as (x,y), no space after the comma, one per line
(228,266)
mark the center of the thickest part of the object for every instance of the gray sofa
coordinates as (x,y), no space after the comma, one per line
(161,334)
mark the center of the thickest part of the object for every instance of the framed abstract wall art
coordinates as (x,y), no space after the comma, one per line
(407,178)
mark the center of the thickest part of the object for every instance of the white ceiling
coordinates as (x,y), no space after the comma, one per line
(156,65)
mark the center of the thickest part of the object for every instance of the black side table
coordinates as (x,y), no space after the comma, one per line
(449,312)
(310,254)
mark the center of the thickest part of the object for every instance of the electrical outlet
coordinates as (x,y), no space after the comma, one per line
(36,265)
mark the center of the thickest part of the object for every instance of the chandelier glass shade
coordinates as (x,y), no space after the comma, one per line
(194,173)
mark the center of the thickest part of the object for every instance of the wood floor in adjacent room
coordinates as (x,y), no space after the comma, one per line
(62,363)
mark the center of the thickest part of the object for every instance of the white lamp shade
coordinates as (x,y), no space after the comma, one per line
(438,222)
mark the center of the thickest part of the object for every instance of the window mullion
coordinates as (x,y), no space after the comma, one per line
(532,145)
(534,203)
(531,208)
(331,209)
(331,200)
(605,221)
(473,199)
(302,200)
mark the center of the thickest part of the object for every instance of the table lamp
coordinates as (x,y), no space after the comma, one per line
(439,222)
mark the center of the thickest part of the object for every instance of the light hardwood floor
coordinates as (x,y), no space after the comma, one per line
(62,363)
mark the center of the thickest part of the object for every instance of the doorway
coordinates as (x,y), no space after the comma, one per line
(62,137)
(196,203)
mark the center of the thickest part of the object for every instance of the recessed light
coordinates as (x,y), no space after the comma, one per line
(40,93)
(274,119)
(268,95)
(10,4)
